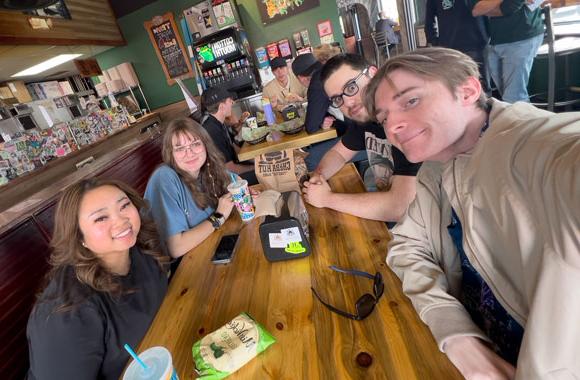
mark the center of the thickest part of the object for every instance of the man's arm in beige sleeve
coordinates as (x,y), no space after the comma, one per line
(415,254)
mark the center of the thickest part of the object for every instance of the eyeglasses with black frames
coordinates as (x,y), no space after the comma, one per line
(351,88)
(366,303)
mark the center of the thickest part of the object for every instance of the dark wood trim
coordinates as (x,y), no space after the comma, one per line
(58,41)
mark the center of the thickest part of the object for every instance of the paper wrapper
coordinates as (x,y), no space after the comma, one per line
(281,171)
(268,202)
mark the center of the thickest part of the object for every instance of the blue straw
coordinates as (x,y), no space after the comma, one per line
(134,355)
(234,178)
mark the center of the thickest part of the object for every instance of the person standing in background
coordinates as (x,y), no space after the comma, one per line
(516,34)
(449,23)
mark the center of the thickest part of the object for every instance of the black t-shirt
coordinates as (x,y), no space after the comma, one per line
(457,28)
(221,138)
(384,158)
(87,342)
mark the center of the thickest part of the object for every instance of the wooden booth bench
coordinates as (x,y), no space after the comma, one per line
(24,243)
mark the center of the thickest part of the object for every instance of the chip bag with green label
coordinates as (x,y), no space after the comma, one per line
(224,351)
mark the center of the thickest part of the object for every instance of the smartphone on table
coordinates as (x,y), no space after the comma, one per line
(225,250)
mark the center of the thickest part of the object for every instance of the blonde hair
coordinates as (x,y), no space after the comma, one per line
(324,52)
(449,66)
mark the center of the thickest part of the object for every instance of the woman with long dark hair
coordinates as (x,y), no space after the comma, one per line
(108,277)
(188,193)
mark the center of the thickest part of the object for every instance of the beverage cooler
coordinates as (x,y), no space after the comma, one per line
(225,59)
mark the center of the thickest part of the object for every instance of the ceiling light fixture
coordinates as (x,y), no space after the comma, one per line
(48,64)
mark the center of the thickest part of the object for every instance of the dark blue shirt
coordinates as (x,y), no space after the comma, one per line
(485,310)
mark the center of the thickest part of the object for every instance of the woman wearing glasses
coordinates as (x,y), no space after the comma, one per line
(188,193)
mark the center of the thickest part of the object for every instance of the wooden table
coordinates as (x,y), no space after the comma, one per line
(299,140)
(312,342)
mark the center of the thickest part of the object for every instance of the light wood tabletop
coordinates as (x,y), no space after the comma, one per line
(299,140)
(312,342)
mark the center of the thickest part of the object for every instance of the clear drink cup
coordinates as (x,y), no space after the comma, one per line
(160,366)
(242,199)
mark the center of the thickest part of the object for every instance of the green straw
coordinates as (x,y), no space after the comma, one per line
(134,355)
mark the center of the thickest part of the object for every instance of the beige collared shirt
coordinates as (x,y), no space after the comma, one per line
(274,89)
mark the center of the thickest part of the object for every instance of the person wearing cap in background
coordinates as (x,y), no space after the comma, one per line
(318,112)
(284,88)
(217,103)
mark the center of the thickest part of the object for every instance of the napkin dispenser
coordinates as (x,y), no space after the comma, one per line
(286,237)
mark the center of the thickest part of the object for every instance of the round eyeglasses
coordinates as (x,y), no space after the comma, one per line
(351,88)
(194,147)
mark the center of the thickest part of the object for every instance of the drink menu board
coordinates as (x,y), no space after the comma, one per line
(165,38)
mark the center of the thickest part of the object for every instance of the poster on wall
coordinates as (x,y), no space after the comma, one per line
(170,51)
(325,32)
(276,10)
(273,51)
(224,14)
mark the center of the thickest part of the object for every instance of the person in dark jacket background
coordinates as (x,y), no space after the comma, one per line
(307,69)
(449,23)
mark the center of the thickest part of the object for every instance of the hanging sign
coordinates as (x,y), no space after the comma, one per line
(170,50)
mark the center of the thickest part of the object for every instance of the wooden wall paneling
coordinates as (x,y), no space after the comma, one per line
(92,23)
(136,167)
(23,265)
(44,219)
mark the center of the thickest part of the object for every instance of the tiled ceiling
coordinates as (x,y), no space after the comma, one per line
(15,58)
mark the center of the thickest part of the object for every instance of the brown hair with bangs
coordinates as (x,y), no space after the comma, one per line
(67,248)
(213,180)
(449,66)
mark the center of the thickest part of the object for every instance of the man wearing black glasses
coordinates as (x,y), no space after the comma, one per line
(345,77)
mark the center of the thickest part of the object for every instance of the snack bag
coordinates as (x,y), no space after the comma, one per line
(224,351)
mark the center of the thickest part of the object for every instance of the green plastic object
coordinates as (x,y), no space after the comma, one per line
(224,351)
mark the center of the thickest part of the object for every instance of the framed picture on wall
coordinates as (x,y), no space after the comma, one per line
(169,48)
(325,32)
(273,51)
(324,28)
(297,40)
(276,10)
(284,48)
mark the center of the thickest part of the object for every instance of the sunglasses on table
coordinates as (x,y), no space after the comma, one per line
(366,303)
(351,88)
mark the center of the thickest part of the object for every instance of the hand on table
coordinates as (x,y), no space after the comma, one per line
(316,191)
(327,122)
(225,205)
(475,360)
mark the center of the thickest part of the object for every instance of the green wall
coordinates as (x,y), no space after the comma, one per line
(261,35)
(140,52)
